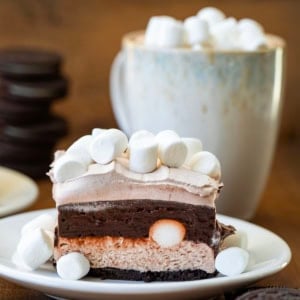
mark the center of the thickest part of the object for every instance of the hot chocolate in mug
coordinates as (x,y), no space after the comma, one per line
(231,100)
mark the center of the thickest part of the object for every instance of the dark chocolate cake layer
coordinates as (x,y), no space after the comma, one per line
(119,274)
(133,218)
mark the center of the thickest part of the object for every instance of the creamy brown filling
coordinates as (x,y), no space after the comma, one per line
(140,254)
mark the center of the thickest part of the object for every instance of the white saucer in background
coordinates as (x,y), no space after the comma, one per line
(17,191)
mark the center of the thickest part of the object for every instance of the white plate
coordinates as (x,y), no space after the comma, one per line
(271,252)
(17,191)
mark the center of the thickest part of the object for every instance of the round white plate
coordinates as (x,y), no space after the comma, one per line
(272,254)
(17,191)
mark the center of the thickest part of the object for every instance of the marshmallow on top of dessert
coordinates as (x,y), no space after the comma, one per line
(158,163)
(209,29)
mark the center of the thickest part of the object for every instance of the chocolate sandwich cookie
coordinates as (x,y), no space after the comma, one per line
(44,133)
(33,169)
(29,63)
(11,152)
(15,113)
(272,293)
(33,91)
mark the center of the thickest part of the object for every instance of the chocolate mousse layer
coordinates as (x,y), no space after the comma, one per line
(133,218)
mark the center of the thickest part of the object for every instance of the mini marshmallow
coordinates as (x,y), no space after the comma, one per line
(108,145)
(238,239)
(172,151)
(196,30)
(165,134)
(140,134)
(67,167)
(80,149)
(211,15)
(225,34)
(35,248)
(206,163)
(164,31)
(44,221)
(167,232)
(96,131)
(18,262)
(153,30)
(171,34)
(252,40)
(143,155)
(249,25)
(194,145)
(232,261)
(72,266)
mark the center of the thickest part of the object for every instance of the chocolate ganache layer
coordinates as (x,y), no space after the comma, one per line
(133,218)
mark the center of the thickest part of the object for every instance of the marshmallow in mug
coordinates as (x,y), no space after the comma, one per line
(208,29)
(164,31)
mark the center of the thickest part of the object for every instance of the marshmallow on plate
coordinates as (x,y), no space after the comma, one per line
(143,155)
(67,167)
(238,239)
(225,34)
(206,163)
(108,145)
(232,261)
(172,151)
(167,232)
(196,30)
(164,31)
(194,145)
(211,15)
(44,221)
(80,149)
(72,266)
(34,248)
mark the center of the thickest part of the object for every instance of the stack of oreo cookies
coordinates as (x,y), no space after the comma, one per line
(30,80)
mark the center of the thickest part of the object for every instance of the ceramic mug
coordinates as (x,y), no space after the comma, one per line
(231,100)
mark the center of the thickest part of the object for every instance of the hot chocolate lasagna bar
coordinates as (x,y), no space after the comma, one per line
(153,226)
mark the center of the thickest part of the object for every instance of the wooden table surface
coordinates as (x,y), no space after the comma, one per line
(279,211)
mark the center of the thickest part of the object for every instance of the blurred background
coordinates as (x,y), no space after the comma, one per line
(88,35)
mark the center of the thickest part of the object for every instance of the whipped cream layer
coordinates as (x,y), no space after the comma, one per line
(115,181)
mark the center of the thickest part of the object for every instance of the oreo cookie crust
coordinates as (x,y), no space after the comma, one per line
(119,274)
(29,63)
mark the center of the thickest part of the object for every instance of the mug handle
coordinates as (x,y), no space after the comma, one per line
(117,92)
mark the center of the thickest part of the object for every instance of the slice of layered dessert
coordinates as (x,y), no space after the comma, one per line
(139,210)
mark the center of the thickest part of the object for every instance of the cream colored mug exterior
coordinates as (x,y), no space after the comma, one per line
(230,100)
